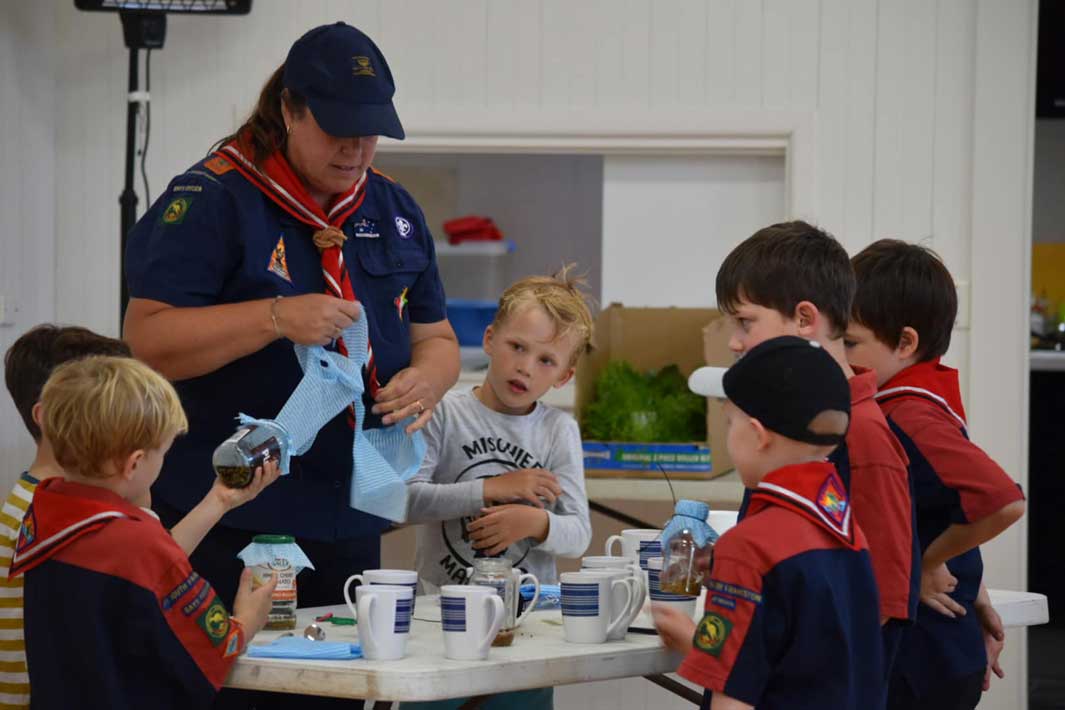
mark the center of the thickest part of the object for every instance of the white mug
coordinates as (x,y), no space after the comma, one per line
(637,544)
(471,616)
(722,520)
(631,603)
(383,612)
(681,602)
(589,611)
(398,577)
(607,562)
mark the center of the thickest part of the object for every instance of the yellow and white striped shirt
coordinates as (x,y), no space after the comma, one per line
(14,678)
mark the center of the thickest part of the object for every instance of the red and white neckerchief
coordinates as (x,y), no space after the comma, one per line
(276,179)
(931,381)
(813,490)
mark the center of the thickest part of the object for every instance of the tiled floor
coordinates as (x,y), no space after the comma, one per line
(1046,668)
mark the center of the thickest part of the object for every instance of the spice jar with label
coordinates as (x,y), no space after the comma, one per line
(280,556)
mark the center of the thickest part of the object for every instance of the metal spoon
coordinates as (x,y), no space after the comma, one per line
(314,632)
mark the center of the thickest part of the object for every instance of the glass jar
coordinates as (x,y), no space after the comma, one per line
(252,445)
(687,542)
(276,562)
(498,573)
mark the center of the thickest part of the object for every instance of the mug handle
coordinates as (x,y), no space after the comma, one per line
(536,596)
(636,605)
(347,596)
(494,604)
(622,614)
(610,544)
(365,607)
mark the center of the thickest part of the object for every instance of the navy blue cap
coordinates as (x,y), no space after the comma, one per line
(346,81)
(787,383)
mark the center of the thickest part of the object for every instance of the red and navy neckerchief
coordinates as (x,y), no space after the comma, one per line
(276,179)
(931,381)
(814,491)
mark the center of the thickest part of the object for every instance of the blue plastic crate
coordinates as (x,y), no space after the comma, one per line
(469,318)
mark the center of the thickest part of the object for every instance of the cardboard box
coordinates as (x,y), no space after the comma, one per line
(649,339)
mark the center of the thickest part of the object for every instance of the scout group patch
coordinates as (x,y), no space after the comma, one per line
(215,622)
(711,633)
(278,263)
(832,500)
(175,212)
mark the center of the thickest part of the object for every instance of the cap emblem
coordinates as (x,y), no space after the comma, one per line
(362,66)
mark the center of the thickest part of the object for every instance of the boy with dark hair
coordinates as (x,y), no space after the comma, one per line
(901,324)
(27,364)
(791,618)
(795,279)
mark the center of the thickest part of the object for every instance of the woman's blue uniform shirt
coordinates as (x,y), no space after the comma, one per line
(213,238)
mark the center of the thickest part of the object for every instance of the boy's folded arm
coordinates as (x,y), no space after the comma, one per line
(983,487)
(569,525)
(960,538)
(430,502)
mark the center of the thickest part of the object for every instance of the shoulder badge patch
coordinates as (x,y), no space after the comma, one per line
(711,633)
(27,533)
(175,212)
(278,264)
(232,644)
(215,622)
(218,165)
(832,500)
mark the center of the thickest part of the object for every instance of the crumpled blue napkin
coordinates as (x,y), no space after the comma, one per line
(384,458)
(294,647)
(550,595)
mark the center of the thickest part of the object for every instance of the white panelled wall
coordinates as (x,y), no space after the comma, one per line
(902,118)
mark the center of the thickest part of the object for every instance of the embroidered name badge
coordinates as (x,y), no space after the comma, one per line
(366,229)
(278,264)
(734,590)
(832,500)
(401,302)
(215,622)
(404,227)
(711,633)
(180,590)
(177,209)
(726,602)
(197,601)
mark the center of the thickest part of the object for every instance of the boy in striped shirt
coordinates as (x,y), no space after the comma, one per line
(27,366)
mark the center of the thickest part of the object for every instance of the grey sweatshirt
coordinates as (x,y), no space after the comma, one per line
(467,443)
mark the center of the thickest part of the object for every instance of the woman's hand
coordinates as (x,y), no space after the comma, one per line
(314,318)
(408,394)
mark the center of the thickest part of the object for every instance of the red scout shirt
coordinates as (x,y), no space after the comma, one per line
(115,614)
(791,618)
(954,482)
(880,493)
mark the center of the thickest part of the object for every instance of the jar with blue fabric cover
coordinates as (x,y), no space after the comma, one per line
(687,543)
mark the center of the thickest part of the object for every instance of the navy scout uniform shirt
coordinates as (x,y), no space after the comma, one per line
(791,618)
(213,238)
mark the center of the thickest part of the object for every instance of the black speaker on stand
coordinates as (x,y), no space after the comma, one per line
(144,27)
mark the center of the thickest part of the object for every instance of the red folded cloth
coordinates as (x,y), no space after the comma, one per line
(472,229)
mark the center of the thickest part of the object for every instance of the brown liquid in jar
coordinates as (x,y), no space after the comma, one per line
(689,586)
